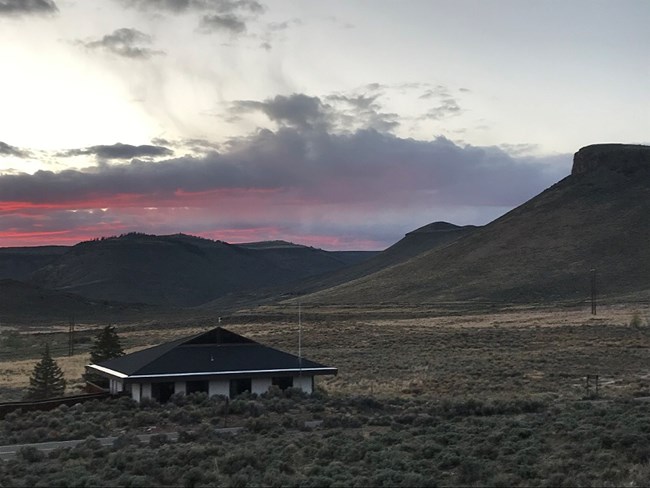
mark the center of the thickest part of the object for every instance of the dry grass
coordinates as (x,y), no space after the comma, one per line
(519,352)
(509,353)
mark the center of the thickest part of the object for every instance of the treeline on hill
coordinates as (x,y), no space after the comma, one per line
(360,441)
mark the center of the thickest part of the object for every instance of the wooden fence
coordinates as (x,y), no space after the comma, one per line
(49,404)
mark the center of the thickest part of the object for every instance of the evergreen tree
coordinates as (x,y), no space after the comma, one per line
(47,378)
(106,346)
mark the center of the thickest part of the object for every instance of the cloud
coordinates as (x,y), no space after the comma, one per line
(192,145)
(367,168)
(328,171)
(165,5)
(339,112)
(217,15)
(124,42)
(446,108)
(27,7)
(275,31)
(251,6)
(120,151)
(297,110)
(229,23)
(8,150)
(177,6)
(362,110)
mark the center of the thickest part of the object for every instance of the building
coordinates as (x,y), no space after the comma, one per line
(218,362)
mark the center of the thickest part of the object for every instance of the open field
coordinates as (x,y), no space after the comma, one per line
(515,352)
(467,398)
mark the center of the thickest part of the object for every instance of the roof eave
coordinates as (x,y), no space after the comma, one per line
(265,372)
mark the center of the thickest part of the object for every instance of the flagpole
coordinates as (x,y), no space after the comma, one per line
(299,338)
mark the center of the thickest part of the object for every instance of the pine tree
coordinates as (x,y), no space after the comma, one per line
(47,378)
(106,346)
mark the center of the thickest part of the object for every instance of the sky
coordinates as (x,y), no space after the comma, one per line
(340,125)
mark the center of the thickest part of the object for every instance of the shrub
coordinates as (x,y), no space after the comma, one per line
(30,454)
(636,320)
(125,440)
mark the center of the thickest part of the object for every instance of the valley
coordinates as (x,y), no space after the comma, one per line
(514,354)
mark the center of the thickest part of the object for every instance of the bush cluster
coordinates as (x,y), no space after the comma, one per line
(360,442)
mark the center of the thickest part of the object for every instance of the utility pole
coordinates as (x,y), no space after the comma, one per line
(299,339)
(71,337)
(593,291)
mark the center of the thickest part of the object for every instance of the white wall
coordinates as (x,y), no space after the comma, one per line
(140,391)
(304,383)
(260,385)
(219,387)
(116,386)
(135,391)
(180,387)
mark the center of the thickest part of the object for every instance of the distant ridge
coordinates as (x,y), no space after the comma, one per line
(423,239)
(596,218)
(178,269)
(270,245)
(438,227)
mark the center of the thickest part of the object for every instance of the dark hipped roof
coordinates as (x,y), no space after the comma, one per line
(217,351)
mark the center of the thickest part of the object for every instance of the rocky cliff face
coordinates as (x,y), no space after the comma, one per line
(626,158)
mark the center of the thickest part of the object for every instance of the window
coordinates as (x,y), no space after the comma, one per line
(239,386)
(282,382)
(162,391)
(194,386)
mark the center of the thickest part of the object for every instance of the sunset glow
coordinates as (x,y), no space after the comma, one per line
(306,121)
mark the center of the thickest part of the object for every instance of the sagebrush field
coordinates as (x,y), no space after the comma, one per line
(474,398)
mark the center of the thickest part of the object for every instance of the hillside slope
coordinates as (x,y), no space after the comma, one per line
(23,303)
(416,242)
(426,238)
(18,263)
(596,218)
(177,270)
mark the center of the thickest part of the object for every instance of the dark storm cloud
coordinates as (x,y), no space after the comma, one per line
(366,168)
(124,42)
(27,7)
(8,150)
(120,151)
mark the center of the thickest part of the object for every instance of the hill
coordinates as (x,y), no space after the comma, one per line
(178,270)
(416,242)
(18,263)
(423,239)
(23,303)
(544,250)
